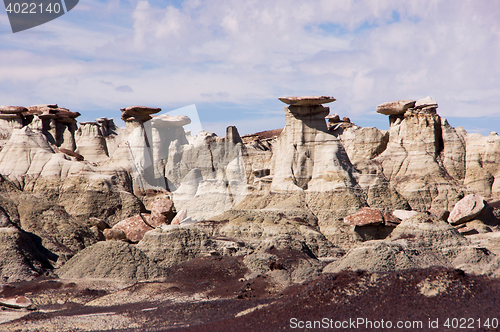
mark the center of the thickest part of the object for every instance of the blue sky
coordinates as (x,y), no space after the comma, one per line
(233,59)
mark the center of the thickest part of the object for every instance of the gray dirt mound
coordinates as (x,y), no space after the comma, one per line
(174,245)
(111,260)
(418,242)
(20,258)
(59,232)
(427,232)
(377,256)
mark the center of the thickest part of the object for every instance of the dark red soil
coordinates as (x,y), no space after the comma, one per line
(396,298)
(392,296)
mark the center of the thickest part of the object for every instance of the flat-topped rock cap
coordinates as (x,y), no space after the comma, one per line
(395,107)
(307,101)
(165,120)
(10,116)
(58,112)
(426,102)
(138,112)
(41,106)
(12,109)
(365,216)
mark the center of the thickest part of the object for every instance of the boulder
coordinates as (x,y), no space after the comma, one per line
(390,219)
(52,111)
(440,214)
(333,118)
(466,230)
(426,102)
(180,216)
(162,206)
(113,260)
(37,108)
(135,227)
(403,214)
(16,118)
(466,209)
(395,107)
(365,216)
(99,223)
(307,101)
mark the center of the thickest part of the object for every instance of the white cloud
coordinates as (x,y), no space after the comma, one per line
(362,52)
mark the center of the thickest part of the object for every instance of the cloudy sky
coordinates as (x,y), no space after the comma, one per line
(233,58)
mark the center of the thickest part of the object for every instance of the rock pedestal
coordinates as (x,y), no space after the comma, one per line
(91,143)
(307,156)
(416,161)
(140,147)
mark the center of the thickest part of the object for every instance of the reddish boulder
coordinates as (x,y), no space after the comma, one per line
(466,209)
(365,216)
(156,219)
(391,220)
(163,207)
(179,217)
(440,214)
(135,227)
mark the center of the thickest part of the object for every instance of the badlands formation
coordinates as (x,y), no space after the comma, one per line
(149,227)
